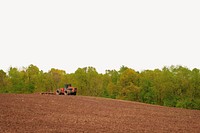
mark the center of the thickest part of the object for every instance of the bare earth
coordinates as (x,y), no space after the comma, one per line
(21,113)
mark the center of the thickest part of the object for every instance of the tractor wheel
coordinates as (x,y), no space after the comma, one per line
(65,93)
(57,92)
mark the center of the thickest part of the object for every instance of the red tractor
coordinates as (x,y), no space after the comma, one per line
(67,90)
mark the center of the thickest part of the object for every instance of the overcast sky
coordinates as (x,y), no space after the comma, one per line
(105,34)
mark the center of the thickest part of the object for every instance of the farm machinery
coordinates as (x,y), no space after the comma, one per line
(66,90)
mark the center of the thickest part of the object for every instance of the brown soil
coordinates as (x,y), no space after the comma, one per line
(51,113)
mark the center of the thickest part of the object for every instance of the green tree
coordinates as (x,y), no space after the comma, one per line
(17,81)
(4,83)
(129,83)
(81,80)
(94,82)
(113,90)
(56,78)
(32,78)
(112,87)
(194,91)
(169,85)
(147,93)
(89,81)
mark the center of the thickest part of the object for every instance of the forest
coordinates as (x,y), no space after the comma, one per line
(173,86)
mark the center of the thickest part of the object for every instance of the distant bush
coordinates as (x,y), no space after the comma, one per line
(189,104)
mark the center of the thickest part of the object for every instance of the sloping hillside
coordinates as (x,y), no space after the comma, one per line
(51,113)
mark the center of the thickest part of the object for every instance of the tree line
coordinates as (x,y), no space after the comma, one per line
(174,86)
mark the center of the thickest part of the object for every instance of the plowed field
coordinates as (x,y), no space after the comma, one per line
(21,113)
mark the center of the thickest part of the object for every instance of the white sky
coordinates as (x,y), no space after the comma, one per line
(105,34)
